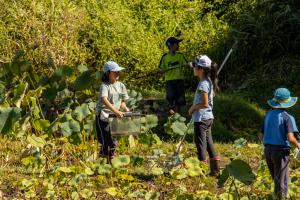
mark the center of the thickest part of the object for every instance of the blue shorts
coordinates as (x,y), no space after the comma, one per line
(175,92)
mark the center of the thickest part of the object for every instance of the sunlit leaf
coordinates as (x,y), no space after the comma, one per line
(179,173)
(112,191)
(191,162)
(121,160)
(104,169)
(36,141)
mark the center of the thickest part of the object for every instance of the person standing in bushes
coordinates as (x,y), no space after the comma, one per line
(172,65)
(202,111)
(278,132)
(112,98)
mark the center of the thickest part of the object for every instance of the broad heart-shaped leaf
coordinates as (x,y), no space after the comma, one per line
(151,121)
(191,162)
(70,127)
(157,171)
(195,171)
(64,71)
(104,169)
(180,173)
(240,170)
(81,112)
(152,196)
(112,191)
(8,117)
(121,160)
(19,93)
(36,141)
(75,139)
(84,81)
(179,128)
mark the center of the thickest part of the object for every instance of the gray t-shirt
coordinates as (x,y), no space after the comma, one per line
(203,114)
(116,93)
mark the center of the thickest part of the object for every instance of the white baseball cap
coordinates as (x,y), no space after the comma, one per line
(203,61)
(112,66)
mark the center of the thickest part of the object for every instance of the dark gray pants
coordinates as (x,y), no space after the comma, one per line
(108,143)
(204,141)
(278,159)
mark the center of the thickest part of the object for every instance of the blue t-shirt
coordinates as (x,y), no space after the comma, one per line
(277,124)
(203,114)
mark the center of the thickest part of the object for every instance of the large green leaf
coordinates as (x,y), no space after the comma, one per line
(19,93)
(84,81)
(64,71)
(195,171)
(8,117)
(180,173)
(104,169)
(241,171)
(75,139)
(179,128)
(36,141)
(70,127)
(81,112)
(191,162)
(121,160)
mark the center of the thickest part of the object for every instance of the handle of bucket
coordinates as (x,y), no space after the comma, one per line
(296,152)
(126,114)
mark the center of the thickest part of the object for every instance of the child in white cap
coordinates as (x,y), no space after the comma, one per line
(112,98)
(202,111)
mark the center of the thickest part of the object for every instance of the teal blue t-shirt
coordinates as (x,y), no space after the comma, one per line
(277,124)
(207,113)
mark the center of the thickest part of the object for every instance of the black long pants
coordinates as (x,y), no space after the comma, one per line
(108,143)
(203,140)
(278,159)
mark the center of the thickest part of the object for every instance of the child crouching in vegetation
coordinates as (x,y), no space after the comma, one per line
(278,131)
(112,98)
(202,111)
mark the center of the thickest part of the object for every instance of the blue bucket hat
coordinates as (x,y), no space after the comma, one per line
(282,99)
(112,66)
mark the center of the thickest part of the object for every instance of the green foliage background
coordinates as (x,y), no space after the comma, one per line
(67,35)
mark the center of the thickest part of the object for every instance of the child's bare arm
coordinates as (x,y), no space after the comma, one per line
(124,107)
(111,107)
(291,137)
(202,105)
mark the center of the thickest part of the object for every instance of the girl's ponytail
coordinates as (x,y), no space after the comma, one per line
(212,73)
(214,76)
